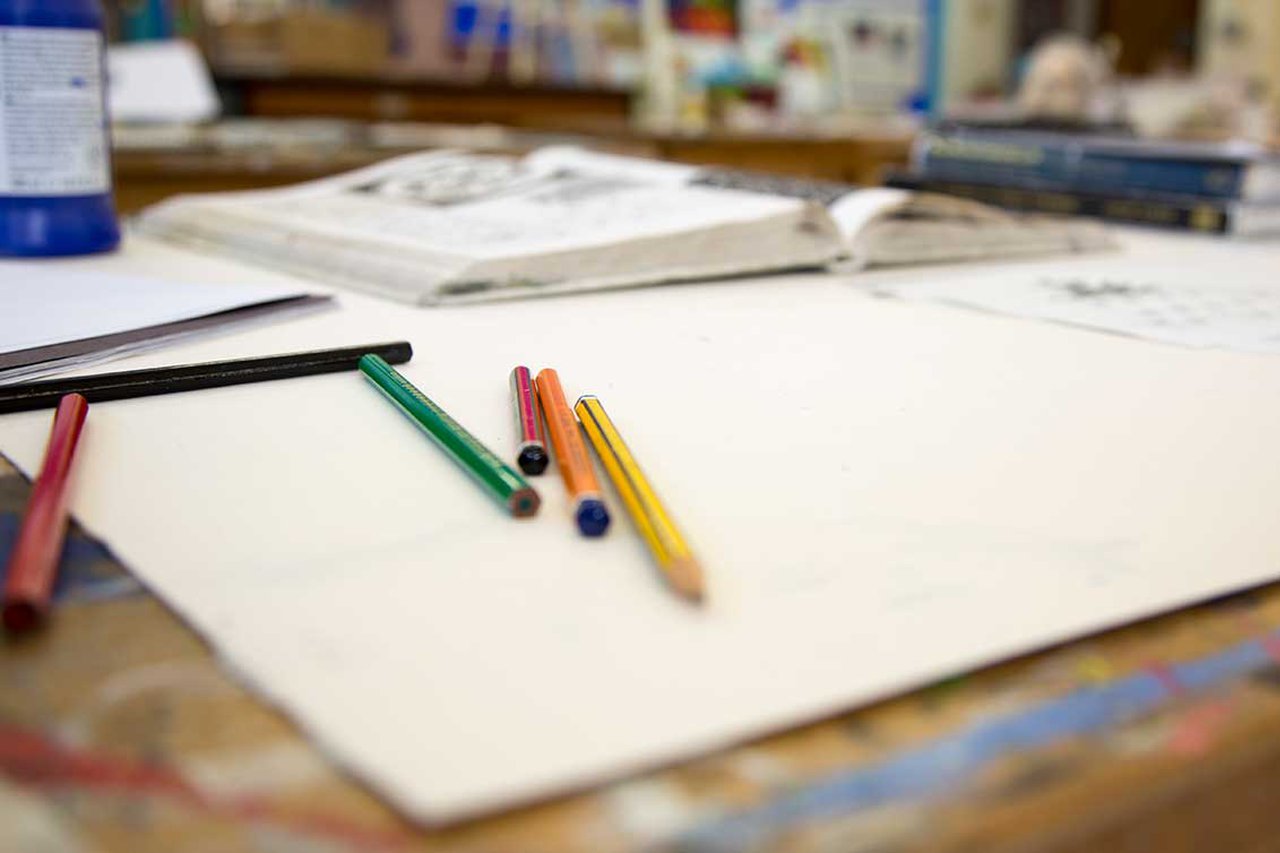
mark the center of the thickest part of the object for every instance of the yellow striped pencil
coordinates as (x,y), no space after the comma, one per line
(659,532)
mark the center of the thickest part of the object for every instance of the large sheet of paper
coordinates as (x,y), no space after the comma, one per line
(882,493)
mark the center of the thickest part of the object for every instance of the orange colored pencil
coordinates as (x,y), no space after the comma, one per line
(579,477)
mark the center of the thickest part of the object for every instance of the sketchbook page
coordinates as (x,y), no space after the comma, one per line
(892,227)
(483,207)
(570,158)
(551,159)
(854,211)
(55,303)
(1190,304)
(882,493)
(802,239)
(850,208)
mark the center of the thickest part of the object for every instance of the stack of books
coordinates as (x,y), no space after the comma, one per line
(1221,188)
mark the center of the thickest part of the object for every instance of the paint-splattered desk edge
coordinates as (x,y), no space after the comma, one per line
(120,711)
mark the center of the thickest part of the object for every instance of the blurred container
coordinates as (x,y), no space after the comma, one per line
(55,160)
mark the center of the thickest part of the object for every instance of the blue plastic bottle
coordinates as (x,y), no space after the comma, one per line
(55,160)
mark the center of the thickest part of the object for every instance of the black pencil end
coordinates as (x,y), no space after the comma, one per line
(533,460)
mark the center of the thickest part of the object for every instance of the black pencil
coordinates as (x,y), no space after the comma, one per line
(193,377)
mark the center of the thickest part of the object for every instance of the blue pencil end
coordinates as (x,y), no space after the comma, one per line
(592,517)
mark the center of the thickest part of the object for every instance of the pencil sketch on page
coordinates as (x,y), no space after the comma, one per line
(1171,304)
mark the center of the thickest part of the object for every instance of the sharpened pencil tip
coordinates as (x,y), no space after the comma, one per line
(685,577)
(524,503)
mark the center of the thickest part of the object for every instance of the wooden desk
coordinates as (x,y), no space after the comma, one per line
(120,733)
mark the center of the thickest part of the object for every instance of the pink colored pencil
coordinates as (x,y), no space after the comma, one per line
(33,565)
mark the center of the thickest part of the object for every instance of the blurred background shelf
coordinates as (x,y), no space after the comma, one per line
(151,164)
(404,97)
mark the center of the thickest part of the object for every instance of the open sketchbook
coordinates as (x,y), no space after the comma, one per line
(446,226)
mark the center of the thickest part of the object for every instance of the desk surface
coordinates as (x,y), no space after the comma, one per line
(118,729)
(120,732)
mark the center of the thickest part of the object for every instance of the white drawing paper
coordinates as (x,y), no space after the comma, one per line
(881,493)
(1234,307)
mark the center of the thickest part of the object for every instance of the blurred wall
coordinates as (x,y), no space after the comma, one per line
(1241,38)
(979,44)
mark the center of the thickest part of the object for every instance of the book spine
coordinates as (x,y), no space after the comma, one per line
(1069,166)
(1188,214)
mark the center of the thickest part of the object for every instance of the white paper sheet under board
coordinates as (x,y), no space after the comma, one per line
(882,493)
(1235,307)
(59,317)
(51,304)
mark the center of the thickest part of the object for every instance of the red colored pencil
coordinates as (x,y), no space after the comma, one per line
(33,564)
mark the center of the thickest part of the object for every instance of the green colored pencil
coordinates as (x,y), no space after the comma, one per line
(488,469)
